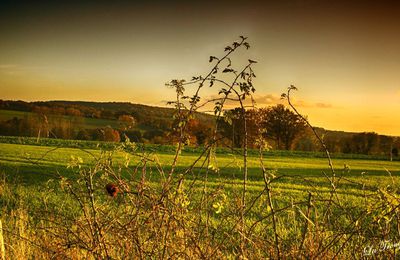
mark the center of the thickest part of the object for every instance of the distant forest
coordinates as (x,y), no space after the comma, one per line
(116,121)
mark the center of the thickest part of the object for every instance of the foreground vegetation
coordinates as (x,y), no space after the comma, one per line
(41,215)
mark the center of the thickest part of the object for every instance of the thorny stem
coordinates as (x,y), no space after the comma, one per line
(332,180)
(305,230)
(267,183)
(273,213)
(98,234)
(312,128)
(193,106)
(243,244)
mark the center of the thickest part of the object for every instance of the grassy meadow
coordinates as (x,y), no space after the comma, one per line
(32,164)
(33,194)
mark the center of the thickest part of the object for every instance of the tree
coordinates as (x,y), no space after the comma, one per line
(282,125)
(126,121)
(150,134)
(199,132)
(134,135)
(111,135)
(365,143)
(106,134)
(395,152)
(232,126)
(83,134)
(308,142)
(73,112)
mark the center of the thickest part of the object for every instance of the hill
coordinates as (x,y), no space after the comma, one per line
(81,119)
(112,121)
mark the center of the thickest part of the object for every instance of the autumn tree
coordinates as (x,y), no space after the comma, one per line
(126,121)
(308,142)
(110,135)
(232,126)
(282,125)
(73,112)
(199,131)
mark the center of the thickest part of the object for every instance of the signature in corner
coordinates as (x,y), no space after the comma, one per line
(383,246)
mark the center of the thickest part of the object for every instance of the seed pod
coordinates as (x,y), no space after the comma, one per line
(112,189)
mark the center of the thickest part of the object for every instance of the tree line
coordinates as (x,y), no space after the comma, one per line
(282,128)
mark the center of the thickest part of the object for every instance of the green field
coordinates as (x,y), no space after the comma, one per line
(33,163)
(10,114)
(31,176)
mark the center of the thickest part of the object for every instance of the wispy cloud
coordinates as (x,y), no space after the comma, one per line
(269,100)
(323,105)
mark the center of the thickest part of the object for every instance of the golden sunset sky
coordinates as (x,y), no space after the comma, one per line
(344,56)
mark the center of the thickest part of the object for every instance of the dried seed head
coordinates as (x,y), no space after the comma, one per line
(112,189)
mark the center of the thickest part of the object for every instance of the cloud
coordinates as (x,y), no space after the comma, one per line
(323,105)
(307,104)
(270,99)
(267,100)
(261,101)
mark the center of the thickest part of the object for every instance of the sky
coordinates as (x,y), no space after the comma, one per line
(343,56)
